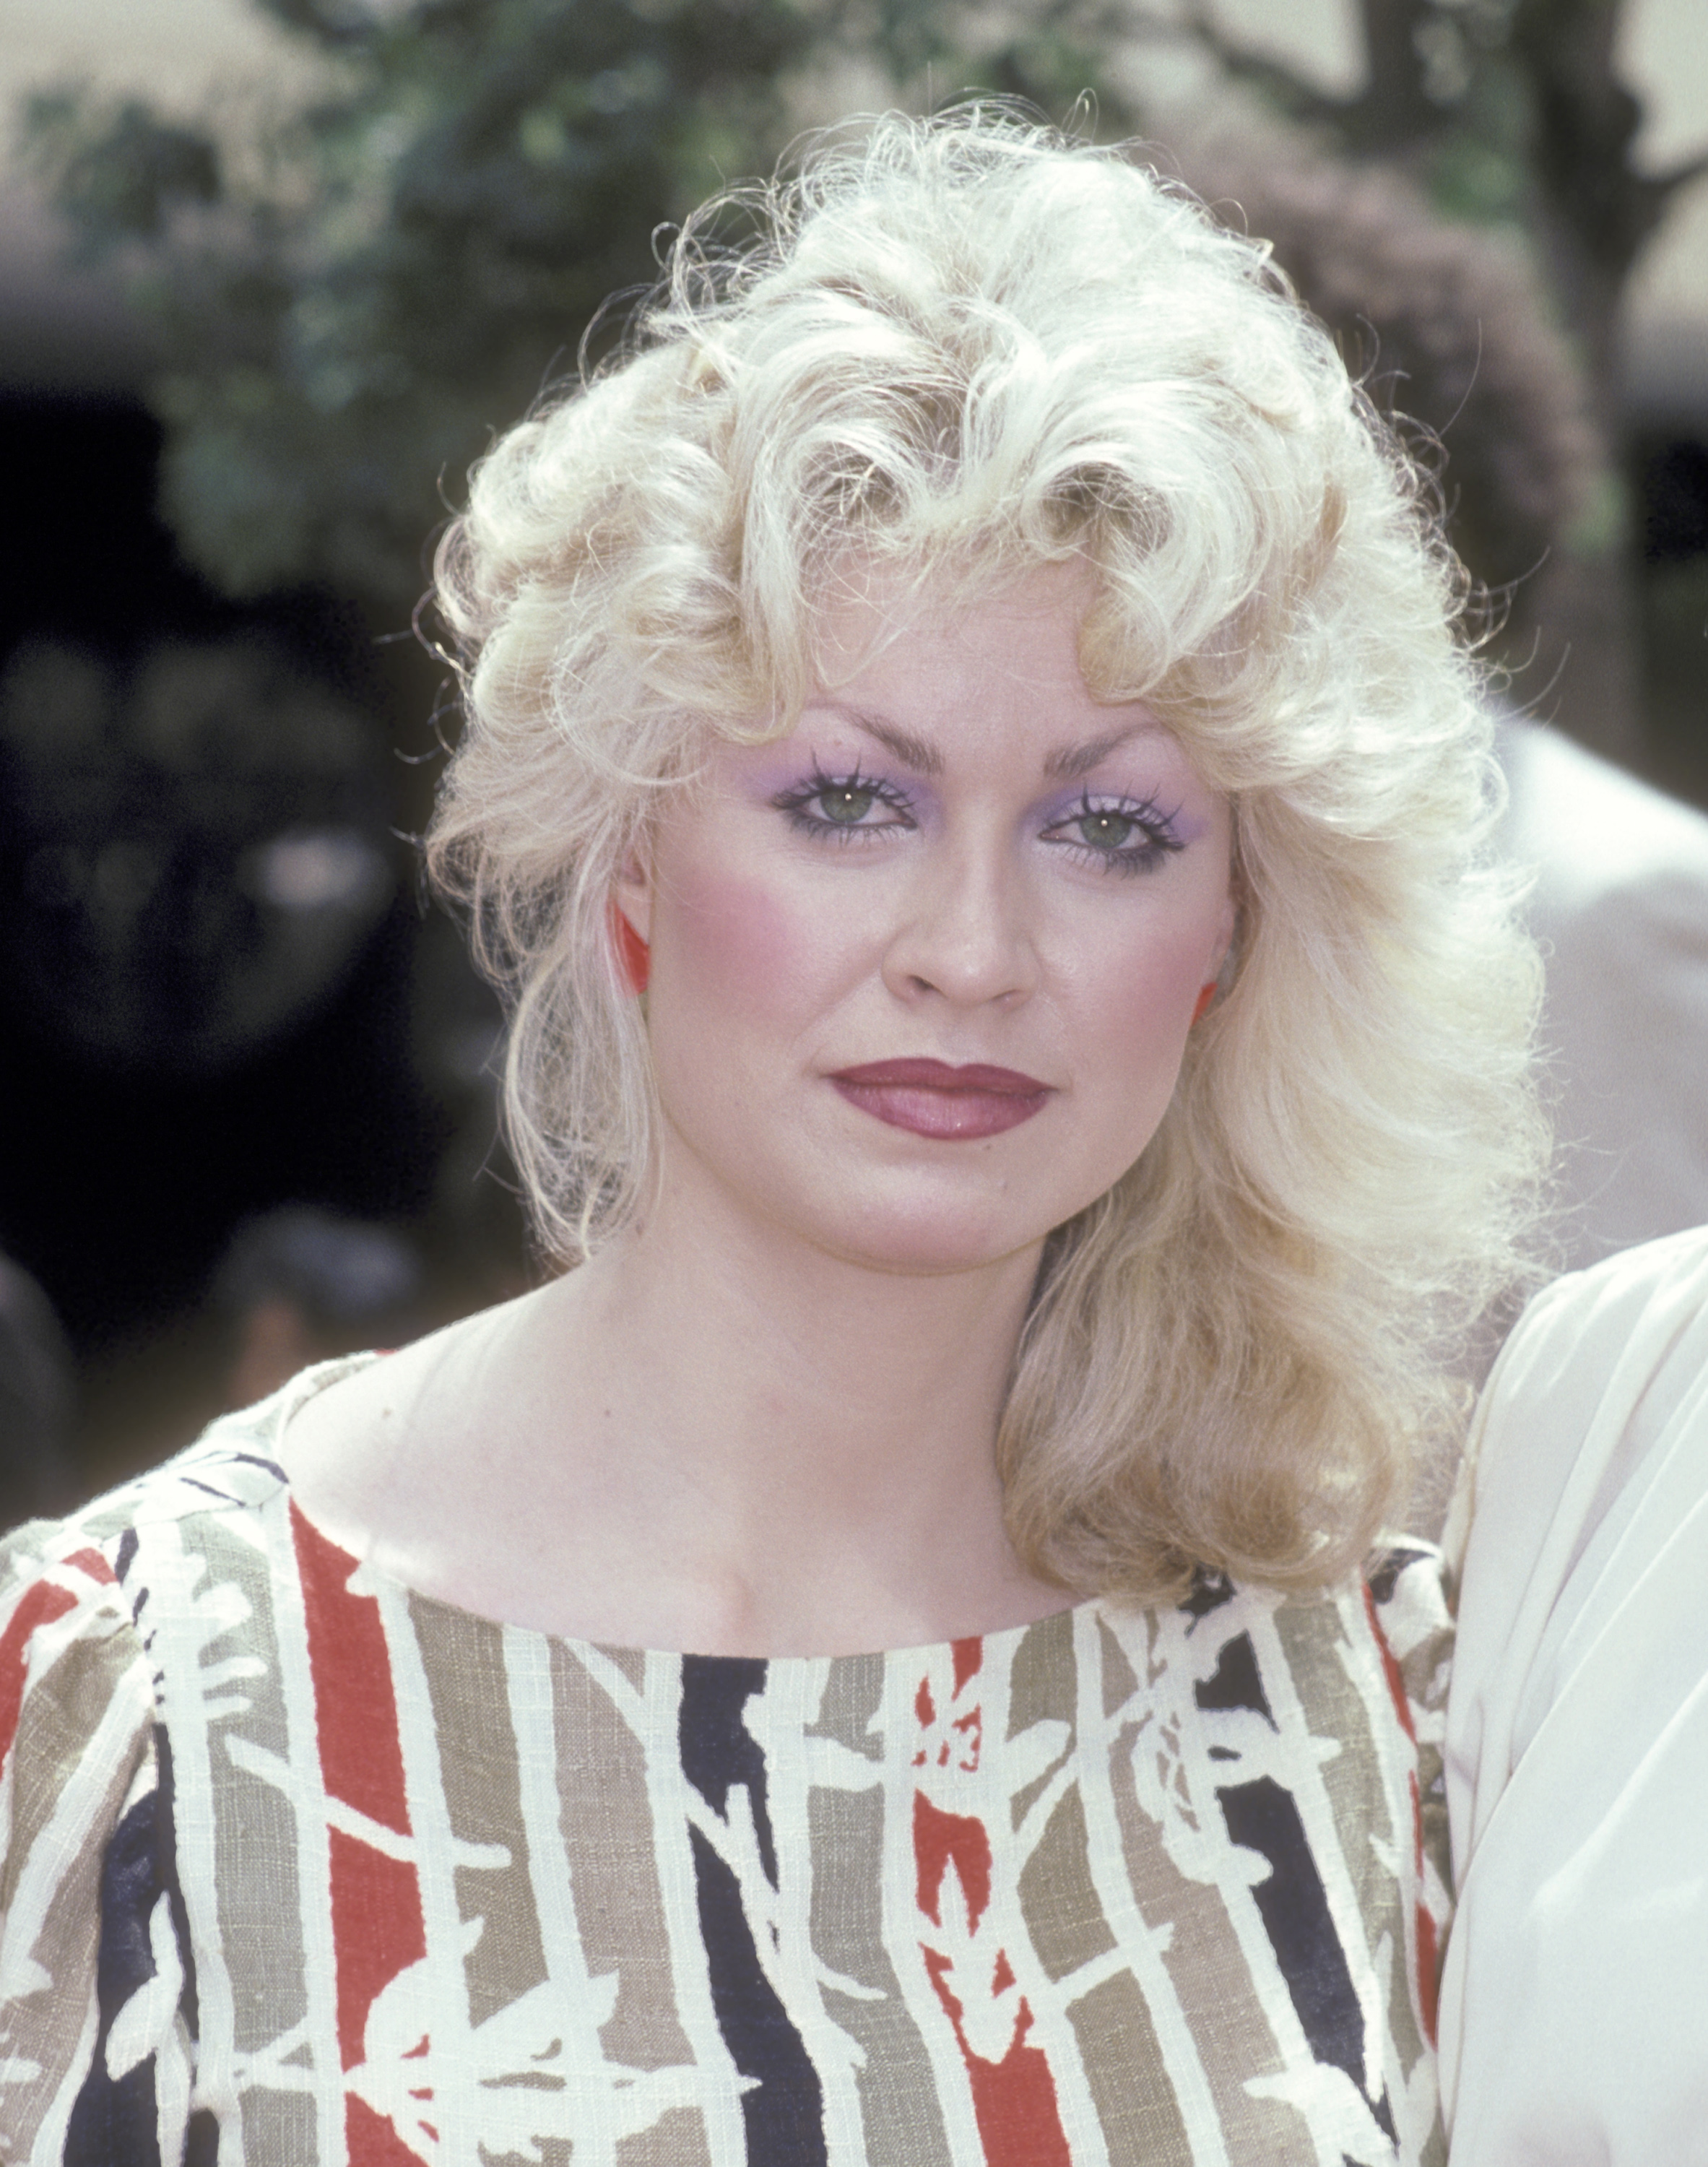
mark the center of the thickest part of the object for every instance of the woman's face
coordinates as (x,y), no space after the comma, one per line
(923,971)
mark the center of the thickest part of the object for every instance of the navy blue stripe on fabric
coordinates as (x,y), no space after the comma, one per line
(783,2109)
(718,1749)
(1294,1908)
(1236,1683)
(113,2121)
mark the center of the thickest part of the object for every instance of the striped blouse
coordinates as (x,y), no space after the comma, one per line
(299,1868)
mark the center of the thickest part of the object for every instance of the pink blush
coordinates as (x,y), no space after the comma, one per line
(734,931)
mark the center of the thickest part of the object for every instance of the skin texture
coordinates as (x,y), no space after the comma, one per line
(968,921)
(763,1422)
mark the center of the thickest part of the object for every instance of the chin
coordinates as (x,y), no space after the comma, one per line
(914,1238)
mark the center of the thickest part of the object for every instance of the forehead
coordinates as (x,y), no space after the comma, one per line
(1026,628)
(927,674)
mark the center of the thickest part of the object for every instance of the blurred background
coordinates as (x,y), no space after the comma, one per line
(271,272)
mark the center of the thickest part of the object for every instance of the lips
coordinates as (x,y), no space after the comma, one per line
(931,1099)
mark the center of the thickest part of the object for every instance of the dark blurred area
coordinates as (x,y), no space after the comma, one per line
(247,351)
(219,990)
(298,1286)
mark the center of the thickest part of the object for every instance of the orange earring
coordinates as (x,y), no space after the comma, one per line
(634,958)
(1207,994)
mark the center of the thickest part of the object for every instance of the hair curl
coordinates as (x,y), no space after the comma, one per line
(955,349)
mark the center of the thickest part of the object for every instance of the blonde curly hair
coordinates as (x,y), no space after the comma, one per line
(951,350)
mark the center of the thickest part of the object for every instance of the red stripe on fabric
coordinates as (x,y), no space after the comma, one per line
(371,2139)
(968,1656)
(92,1562)
(1395,1677)
(41,1604)
(362,1759)
(1429,1955)
(1015,2100)
(1428,1967)
(939,1837)
(377,1931)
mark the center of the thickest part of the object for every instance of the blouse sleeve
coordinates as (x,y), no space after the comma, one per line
(1574,2011)
(79,2046)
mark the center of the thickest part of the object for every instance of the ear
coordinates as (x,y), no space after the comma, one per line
(631,891)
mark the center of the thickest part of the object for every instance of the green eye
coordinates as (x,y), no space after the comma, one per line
(1105,831)
(846,806)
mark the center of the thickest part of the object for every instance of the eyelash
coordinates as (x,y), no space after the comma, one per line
(1160,839)
(795,801)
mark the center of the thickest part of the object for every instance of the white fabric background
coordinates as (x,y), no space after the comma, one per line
(1575,2013)
(1620,906)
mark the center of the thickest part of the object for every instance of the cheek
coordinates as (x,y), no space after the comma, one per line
(727,931)
(1133,1011)
(743,945)
(1140,992)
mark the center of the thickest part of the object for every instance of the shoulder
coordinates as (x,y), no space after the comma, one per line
(83,1600)
(349,1420)
(1364,1660)
(231,1473)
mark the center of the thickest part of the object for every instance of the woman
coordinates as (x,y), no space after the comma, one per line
(971,789)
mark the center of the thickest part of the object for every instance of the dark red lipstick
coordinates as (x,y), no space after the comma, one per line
(931,1098)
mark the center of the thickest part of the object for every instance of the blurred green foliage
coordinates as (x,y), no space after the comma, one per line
(1507,112)
(351,298)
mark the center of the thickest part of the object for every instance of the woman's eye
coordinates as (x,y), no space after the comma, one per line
(1126,838)
(1105,831)
(845,805)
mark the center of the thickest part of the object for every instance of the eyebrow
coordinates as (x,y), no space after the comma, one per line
(1063,765)
(1080,760)
(913,752)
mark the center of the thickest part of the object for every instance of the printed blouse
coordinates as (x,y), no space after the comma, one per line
(299,1868)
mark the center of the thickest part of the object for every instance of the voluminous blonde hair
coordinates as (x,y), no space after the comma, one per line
(956,350)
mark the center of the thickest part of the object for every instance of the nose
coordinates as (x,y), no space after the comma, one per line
(964,930)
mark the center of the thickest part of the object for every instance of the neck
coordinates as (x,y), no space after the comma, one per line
(771,1358)
(777,1425)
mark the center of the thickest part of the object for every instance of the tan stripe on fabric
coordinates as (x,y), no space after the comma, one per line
(1119,1684)
(255,1881)
(1207,1967)
(278,2127)
(1432,1791)
(853,1693)
(630,1661)
(59,1716)
(1058,1897)
(59,1720)
(902,2120)
(1315,1640)
(1315,1643)
(676,2139)
(543,2151)
(462,1658)
(1129,2086)
(1043,1682)
(606,1817)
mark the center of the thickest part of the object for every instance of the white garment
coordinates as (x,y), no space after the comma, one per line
(1620,906)
(1574,2008)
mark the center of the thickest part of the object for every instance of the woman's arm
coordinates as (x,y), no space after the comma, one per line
(1574,2016)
